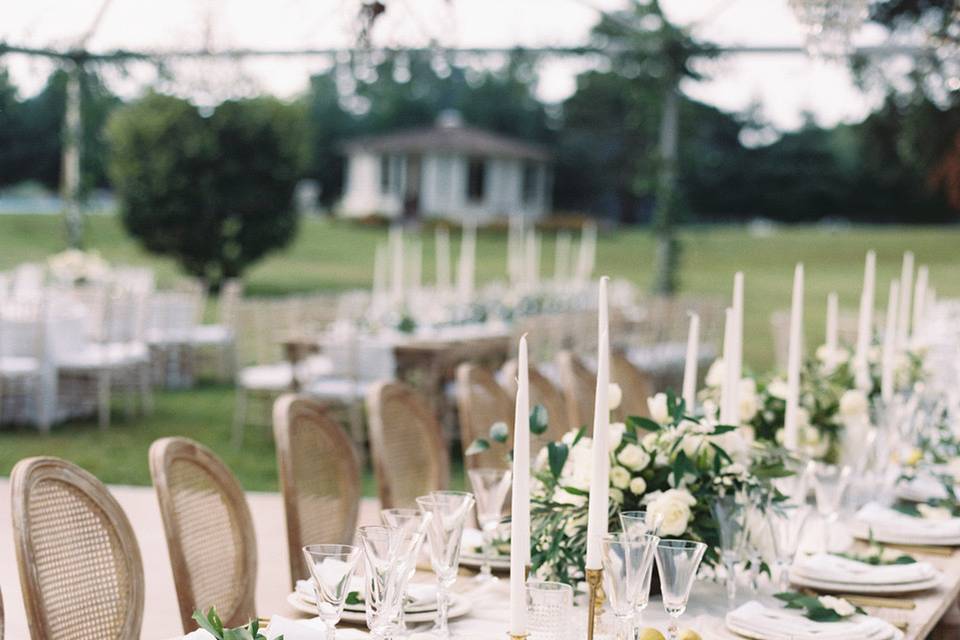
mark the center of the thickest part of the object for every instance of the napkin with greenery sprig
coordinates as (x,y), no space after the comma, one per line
(211,623)
(819,608)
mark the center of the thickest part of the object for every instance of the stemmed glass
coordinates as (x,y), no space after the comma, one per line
(786,528)
(627,564)
(756,530)
(829,483)
(677,561)
(389,553)
(445,535)
(729,513)
(490,487)
(411,521)
(640,522)
(331,566)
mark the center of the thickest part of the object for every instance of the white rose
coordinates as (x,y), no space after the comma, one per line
(616,495)
(619,477)
(638,486)
(569,437)
(843,608)
(715,373)
(691,444)
(614,396)
(561,496)
(649,441)
(617,429)
(853,404)
(633,457)
(710,410)
(803,417)
(673,506)
(658,408)
(777,388)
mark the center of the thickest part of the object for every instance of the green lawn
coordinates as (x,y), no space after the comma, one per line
(339,255)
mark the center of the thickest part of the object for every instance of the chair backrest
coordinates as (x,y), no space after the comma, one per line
(579,389)
(635,384)
(209,531)
(481,402)
(80,566)
(409,453)
(542,392)
(319,478)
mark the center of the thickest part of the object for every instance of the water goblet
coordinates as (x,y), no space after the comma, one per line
(490,488)
(626,563)
(728,511)
(331,567)
(444,536)
(677,562)
(786,527)
(829,483)
(640,522)
(388,553)
(550,608)
(411,521)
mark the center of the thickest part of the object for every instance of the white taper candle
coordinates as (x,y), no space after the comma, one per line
(920,301)
(906,290)
(600,476)
(736,365)
(791,435)
(888,365)
(865,322)
(520,500)
(690,367)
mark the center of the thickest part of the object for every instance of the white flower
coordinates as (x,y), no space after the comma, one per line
(633,457)
(853,404)
(803,417)
(658,408)
(562,496)
(715,373)
(674,506)
(710,410)
(734,469)
(831,358)
(616,495)
(649,441)
(638,486)
(619,477)
(749,403)
(934,513)
(614,396)
(843,608)
(691,444)
(569,437)
(777,388)
(617,429)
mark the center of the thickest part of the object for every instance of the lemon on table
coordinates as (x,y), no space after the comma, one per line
(689,634)
(649,633)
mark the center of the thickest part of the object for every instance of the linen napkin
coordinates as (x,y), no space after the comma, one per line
(472,540)
(755,620)
(831,568)
(312,629)
(921,489)
(888,523)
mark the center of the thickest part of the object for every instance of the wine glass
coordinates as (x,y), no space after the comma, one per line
(729,513)
(490,487)
(626,562)
(640,522)
(677,561)
(445,535)
(829,483)
(411,521)
(786,528)
(389,553)
(331,567)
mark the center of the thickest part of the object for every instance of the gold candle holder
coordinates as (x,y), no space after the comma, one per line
(594,596)
(518,636)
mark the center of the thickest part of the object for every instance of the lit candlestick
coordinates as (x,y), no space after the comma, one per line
(600,480)
(520,500)
(887,371)
(790,428)
(690,368)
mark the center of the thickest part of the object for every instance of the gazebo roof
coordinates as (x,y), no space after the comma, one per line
(462,139)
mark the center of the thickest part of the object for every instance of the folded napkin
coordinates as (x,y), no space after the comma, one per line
(757,621)
(831,568)
(886,522)
(418,594)
(921,489)
(472,540)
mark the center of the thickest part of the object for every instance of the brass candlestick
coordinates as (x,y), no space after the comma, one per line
(518,636)
(594,595)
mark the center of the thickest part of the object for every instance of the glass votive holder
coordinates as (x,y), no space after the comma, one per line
(549,610)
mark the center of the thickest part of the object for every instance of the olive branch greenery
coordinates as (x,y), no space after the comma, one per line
(211,623)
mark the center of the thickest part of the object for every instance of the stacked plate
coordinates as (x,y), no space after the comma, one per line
(835,574)
(921,489)
(420,606)
(471,552)
(884,524)
(754,620)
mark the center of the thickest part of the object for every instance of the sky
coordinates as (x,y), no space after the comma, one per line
(784,87)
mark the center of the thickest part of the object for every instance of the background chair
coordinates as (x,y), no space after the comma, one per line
(409,454)
(319,478)
(481,402)
(542,392)
(209,531)
(579,386)
(80,566)
(635,384)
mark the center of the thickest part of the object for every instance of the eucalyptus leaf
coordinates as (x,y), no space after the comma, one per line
(477,446)
(557,454)
(539,420)
(499,432)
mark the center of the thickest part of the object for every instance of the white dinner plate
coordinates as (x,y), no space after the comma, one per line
(459,607)
(883,535)
(865,589)
(474,561)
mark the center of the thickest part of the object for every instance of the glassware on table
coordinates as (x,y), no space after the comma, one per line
(677,562)
(640,522)
(331,567)
(444,536)
(829,483)
(627,564)
(389,553)
(549,610)
(786,528)
(410,521)
(490,488)
(729,512)
(757,537)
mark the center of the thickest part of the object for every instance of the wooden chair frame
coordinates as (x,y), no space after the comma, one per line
(579,385)
(469,376)
(27,475)
(163,453)
(291,412)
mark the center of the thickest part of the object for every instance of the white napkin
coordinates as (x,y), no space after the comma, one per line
(418,594)
(831,568)
(883,520)
(472,540)
(921,489)
(755,620)
(313,629)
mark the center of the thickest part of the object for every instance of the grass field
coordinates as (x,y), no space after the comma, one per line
(330,255)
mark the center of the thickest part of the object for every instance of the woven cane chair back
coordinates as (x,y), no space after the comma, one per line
(481,402)
(409,454)
(579,386)
(635,384)
(80,566)
(209,531)
(542,392)
(319,478)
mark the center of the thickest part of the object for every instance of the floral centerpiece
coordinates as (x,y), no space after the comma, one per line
(75,267)
(674,464)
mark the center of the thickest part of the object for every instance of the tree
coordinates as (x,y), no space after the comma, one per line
(215,193)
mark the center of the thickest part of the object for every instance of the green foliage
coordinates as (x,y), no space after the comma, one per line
(812,606)
(214,193)
(211,623)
